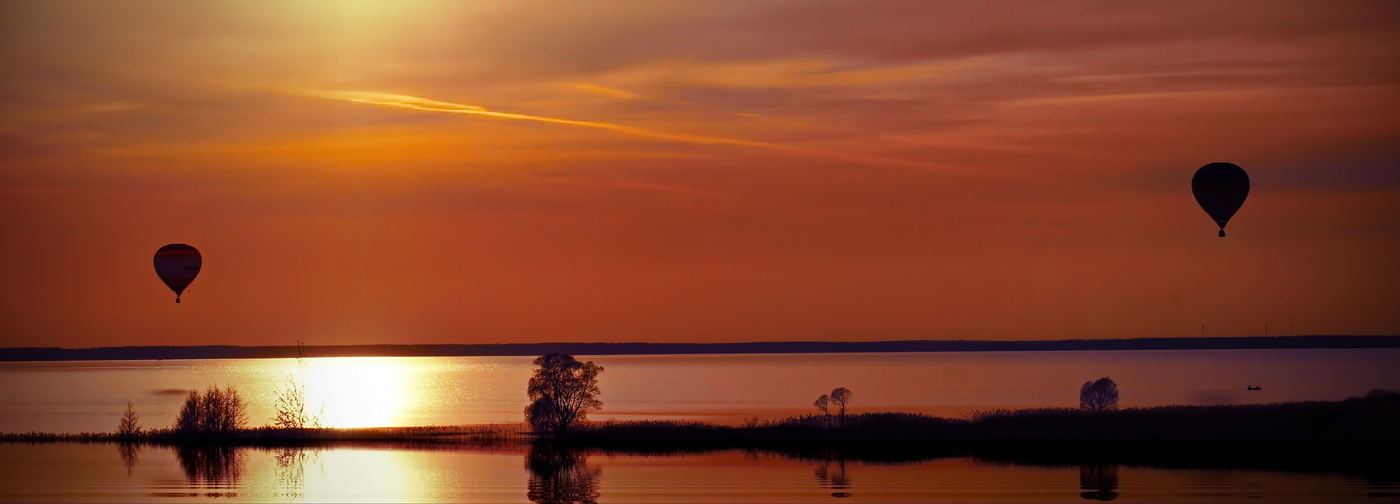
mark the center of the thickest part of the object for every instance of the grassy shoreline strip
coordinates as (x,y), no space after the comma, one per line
(1372,417)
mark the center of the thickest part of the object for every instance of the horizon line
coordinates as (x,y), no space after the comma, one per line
(759,342)
(173,352)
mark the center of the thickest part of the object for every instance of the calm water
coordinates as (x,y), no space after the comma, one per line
(116,473)
(398,391)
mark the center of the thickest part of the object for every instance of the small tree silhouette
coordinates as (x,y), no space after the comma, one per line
(1099,395)
(840,397)
(214,412)
(291,405)
(129,426)
(191,417)
(823,403)
(292,412)
(541,415)
(562,391)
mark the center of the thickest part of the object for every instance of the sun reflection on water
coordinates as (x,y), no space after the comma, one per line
(348,392)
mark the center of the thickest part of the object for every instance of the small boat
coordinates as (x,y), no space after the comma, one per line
(1251,387)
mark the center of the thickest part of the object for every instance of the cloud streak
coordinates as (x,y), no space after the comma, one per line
(430,105)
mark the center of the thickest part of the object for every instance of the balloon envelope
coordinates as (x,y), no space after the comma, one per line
(1220,188)
(177,264)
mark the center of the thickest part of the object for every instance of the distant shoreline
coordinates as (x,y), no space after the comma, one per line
(31,354)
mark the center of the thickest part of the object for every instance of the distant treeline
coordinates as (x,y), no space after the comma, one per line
(778,347)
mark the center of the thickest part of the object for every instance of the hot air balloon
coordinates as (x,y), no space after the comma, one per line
(177,264)
(1220,188)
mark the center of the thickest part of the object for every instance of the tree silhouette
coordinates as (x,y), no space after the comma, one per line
(562,391)
(840,397)
(130,425)
(542,415)
(823,403)
(214,412)
(292,412)
(1099,395)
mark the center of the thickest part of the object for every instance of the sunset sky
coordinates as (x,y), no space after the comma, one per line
(707,171)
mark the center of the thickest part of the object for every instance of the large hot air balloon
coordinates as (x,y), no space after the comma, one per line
(177,264)
(1220,188)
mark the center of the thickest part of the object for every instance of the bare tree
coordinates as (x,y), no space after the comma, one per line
(292,412)
(562,391)
(1099,395)
(541,414)
(823,403)
(291,405)
(840,397)
(130,425)
(190,419)
(214,412)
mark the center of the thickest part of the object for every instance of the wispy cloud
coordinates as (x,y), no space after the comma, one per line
(1065,100)
(602,90)
(430,105)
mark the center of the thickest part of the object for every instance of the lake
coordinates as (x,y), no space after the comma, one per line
(89,396)
(402,391)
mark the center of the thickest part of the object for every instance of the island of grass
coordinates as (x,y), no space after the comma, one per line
(1355,437)
(1373,416)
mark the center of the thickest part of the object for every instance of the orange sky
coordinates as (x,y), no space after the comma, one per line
(481,172)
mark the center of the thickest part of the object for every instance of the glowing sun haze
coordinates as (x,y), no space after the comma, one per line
(481,172)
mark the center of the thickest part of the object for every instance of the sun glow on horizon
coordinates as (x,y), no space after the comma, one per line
(350,392)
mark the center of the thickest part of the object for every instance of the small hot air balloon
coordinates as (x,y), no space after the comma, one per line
(1220,188)
(177,264)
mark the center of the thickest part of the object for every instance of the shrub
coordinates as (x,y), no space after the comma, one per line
(1100,395)
(292,411)
(213,412)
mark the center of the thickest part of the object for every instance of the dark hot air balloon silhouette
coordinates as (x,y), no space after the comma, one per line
(1220,188)
(177,264)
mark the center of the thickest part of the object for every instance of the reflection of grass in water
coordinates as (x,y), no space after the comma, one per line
(1354,436)
(558,469)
